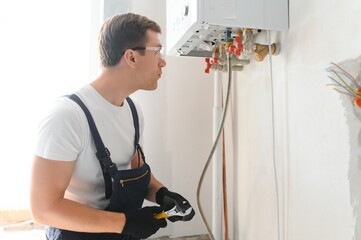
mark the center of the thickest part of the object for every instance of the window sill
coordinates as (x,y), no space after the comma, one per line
(17,220)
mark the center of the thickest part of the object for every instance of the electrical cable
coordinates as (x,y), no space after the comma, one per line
(214,148)
(347,74)
(351,89)
(273,138)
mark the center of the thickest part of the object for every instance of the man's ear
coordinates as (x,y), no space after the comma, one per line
(129,57)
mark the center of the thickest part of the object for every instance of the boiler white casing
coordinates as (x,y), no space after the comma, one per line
(193,25)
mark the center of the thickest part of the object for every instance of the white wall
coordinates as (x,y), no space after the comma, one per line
(313,133)
(317,132)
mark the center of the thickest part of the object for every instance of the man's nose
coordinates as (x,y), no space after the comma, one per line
(163,63)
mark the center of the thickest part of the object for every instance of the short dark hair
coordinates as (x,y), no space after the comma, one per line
(122,32)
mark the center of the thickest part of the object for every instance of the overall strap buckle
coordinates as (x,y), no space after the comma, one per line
(104,159)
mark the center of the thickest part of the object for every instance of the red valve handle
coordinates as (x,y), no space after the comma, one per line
(209,65)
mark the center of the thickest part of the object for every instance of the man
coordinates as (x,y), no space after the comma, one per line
(90,177)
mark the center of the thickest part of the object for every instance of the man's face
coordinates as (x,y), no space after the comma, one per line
(149,65)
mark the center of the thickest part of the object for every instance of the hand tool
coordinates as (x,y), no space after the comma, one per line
(173,212)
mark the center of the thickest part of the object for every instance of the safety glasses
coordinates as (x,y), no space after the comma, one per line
(158,50)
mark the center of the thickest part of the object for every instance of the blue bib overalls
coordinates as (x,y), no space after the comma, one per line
(126,189)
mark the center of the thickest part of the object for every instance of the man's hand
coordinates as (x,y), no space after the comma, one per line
(168,200)
(142,224)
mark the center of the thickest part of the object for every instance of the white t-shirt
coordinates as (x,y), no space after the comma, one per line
(64,135)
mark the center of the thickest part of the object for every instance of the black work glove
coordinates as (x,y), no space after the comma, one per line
(168,200)
(142,224)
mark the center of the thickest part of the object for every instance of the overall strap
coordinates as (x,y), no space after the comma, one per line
(135,120)
(136,126)
(102,153)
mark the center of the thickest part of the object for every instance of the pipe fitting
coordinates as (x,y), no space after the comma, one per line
(262,51)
